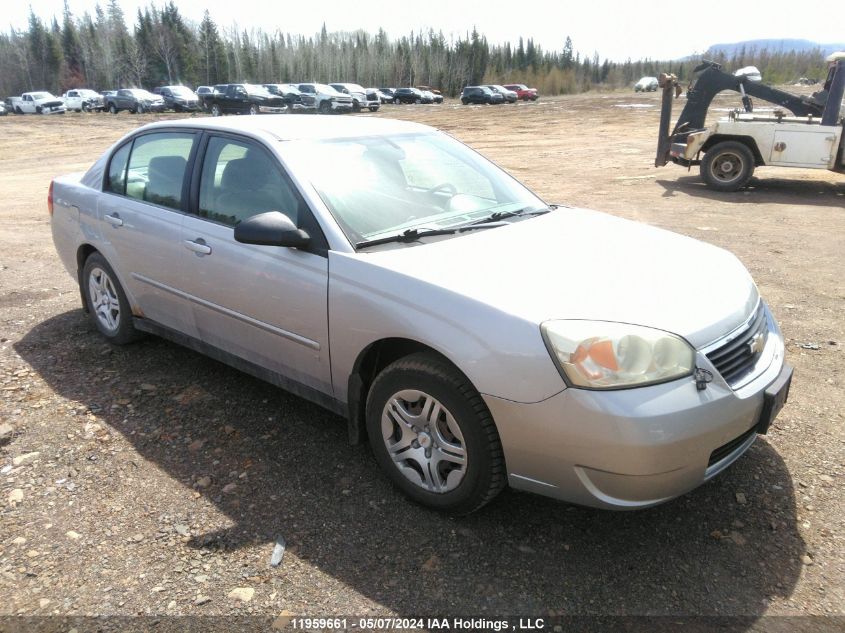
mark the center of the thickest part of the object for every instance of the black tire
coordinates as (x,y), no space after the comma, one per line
(484,475)
(112,109)
(139,109)
(417,101)
(124,331)
(356,107)
(373,108)
(38,110)
(465,101)
(253,109)
(215,110)
(325,107)
(397,101)
(727,166)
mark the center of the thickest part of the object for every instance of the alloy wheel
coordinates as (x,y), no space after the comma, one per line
(104,299)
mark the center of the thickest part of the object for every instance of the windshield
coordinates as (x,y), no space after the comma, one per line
(181,91)
(377,186)
(260,91)
(142,94)
(88,93)
(42,95)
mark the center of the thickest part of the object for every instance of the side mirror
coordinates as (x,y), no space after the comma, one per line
(271,229)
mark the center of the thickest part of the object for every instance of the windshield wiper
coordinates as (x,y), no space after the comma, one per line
(412,235)
(501,215)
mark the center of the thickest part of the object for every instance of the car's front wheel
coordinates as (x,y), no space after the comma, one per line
(432,434)
(215,110)
(107,304)
(727,166)
(112,109)
(253,109)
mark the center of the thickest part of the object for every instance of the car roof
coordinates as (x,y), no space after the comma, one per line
(284,127)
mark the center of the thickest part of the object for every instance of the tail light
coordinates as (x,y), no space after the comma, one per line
(50,199)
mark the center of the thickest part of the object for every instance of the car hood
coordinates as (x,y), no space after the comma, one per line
(582,264)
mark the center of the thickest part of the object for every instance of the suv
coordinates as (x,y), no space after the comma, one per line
(295,100)
(135,100)
(360,98)
(646,84)
(327,98)
(436,95)
(480,94)
(179,98)
(407,95)
(510,96)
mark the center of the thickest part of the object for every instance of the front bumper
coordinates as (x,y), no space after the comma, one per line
(634,448)
(272,109)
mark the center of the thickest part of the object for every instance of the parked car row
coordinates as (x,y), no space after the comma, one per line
(246,98)
(495,94)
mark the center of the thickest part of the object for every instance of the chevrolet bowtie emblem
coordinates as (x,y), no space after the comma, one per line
(757,343)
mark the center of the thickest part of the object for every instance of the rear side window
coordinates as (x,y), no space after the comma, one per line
(157,168)
(117,170)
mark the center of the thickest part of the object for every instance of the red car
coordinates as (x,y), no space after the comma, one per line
(523,92)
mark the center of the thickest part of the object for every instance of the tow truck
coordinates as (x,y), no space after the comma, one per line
(801,131)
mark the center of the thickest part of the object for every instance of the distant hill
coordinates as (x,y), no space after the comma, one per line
(774,46)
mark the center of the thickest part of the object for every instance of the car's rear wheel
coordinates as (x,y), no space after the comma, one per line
(107,304)
(727,166)
(432,434)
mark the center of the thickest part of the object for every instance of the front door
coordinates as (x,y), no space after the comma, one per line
(265,304)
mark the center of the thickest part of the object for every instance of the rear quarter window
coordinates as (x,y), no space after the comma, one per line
(116,181)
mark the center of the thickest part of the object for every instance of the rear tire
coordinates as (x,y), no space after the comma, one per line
(107,304)
(433,436)
(727,166)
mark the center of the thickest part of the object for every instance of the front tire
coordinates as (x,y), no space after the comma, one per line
(727,166)
(433,436)
(325,107)
(253,109)
(107,304)
(112,109)
(215,110)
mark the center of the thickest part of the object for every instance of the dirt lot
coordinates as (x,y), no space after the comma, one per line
(149,480)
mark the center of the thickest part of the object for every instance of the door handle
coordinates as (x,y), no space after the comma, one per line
(114,220)
(198,246)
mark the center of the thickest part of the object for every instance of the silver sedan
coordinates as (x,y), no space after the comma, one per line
(476,336)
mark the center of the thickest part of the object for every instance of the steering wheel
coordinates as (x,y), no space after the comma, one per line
(444,186)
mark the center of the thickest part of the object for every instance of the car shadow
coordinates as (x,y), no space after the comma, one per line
(727,548)
(763,191)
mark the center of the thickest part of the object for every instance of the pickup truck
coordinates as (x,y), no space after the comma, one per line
(135,101)
(37,103)
(295,100)
(83,100)
(242,99)
(360,97)
(327,98)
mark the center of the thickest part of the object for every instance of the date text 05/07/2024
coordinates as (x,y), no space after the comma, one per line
(430,623)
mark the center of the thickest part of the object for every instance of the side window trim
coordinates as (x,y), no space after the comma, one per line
(106,188)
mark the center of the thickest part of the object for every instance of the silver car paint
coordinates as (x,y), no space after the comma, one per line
(470,299)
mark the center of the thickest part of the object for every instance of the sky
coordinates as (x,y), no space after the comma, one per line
(616,29)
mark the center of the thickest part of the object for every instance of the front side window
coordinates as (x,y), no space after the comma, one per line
(157,168)
(379,186)
(239,180)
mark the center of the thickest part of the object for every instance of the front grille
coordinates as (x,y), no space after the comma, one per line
(736,358)
(726,449)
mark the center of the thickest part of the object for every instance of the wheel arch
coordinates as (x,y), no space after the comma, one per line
(82,254)
(369,363)
(748,141)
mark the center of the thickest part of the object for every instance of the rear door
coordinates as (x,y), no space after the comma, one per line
(264,304)
(140,216)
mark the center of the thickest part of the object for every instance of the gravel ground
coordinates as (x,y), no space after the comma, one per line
(149,480)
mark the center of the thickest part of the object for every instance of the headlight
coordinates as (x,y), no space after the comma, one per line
(605,355)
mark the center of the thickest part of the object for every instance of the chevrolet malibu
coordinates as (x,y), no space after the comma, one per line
(476,336)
